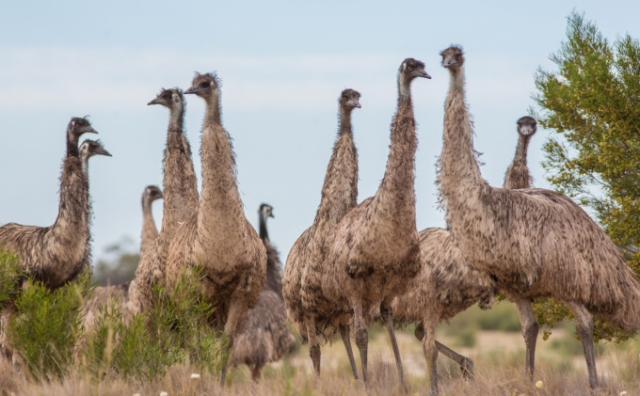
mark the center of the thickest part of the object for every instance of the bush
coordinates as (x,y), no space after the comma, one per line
(10,274)
(175,330)
(46,326)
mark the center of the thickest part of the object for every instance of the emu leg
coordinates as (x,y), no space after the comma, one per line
(344,333)
(584,327)
(256,373)
(387,315)
(230,329)
(529,325)
(314,346)
(431,354)
(362,339)
(466,364)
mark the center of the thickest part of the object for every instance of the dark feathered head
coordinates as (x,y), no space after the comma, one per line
(151,193)
(170,98)
(266,210)
(527,126)
(79,126)
(204,85)
(350,99)
(89,148)
(412,68)
(453,57)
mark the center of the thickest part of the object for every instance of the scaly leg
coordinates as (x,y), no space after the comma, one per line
(530,327)
(230,328)
(466,364)
(387,315)
(362,339)
(431,354)
(584,327)
(314,346)
(344,333)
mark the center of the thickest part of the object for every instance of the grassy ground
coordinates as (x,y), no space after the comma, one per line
(498,356)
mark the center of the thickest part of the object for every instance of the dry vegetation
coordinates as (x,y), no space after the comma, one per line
(498,357)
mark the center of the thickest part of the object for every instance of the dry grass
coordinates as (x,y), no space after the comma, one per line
(499,369)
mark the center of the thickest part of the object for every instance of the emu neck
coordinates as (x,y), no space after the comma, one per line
(220,210)
(213,112)
(72,145)
(264,234)
(518,175)
(176,117)
(395,199)
(521,150)
(149,229)
(71,228)
(340,188)
(179,183)
(459,175)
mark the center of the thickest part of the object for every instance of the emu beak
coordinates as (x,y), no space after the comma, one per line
(102,151)
(425,74)
(154,102)
(191,90)
(88,129)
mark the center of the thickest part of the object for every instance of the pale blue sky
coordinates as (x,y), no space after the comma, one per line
(283,65)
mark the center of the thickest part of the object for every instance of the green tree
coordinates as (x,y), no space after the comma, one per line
(591,104)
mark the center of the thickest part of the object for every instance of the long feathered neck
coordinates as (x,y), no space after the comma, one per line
(220,204)
(340,187)
(176,117)
(149,229)
(518,175)
(175,183)
(459,169)
(264,234)
(74,209)
(72,144)
(396,192)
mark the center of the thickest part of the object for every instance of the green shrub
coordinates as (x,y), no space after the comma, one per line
(10,274)
(46,326)
(176,329)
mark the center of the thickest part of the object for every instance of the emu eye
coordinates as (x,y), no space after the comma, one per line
(410,67)
(204,85)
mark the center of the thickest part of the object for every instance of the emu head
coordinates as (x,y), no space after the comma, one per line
(412,68)
(266,211)
(452,58)
(204,85)
(89,148)
(527,126)
(151,193)
(171,98)
(77,127)
(350,99)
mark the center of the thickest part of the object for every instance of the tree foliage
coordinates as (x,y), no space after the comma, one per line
(591,103)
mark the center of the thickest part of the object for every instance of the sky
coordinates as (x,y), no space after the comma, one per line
(283,65)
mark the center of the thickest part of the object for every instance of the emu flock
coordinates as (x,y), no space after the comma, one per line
(357,263)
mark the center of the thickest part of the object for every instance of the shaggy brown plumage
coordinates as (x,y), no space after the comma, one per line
(57,254)
(149,228)
(53,243)
(265,337)
(535,242)
(180,200)
(306,307)
(375,249)
(446,284)
(218,236)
